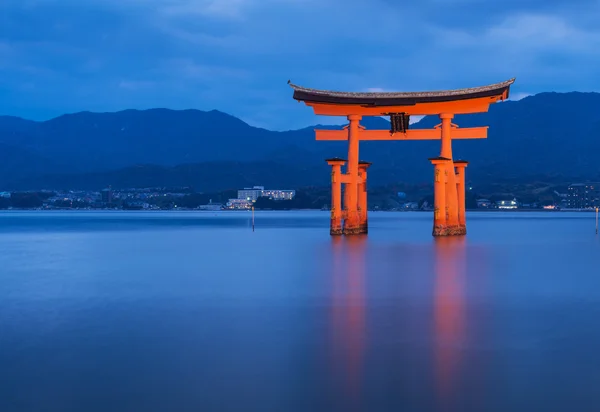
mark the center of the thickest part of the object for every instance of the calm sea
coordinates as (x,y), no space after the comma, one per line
(192,311)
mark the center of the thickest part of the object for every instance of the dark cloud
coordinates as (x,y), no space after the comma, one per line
(236,55)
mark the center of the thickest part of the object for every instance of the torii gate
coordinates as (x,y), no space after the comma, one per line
(449,181)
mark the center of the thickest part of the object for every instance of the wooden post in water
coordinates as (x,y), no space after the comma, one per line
(253,218)
(596,220)
(337,214)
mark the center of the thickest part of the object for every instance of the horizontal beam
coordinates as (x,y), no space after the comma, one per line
(478,105)
(415,134)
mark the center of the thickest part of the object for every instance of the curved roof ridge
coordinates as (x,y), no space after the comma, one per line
(392,95)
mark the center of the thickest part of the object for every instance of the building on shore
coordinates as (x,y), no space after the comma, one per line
(253,193)
(507,204)
(211,206)
(277,194)
(239,204)
(583,195)
(484,203)
(410,206)
(107,195)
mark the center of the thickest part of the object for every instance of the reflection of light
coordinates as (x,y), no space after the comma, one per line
(449,302)
(348,314)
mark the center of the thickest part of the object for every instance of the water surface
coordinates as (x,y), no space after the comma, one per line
(192,311)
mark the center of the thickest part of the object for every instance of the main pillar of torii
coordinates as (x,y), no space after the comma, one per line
(340,217)
(446,220)
(449,215)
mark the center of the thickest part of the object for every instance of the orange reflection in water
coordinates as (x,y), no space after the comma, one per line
(348,315)
(449,314)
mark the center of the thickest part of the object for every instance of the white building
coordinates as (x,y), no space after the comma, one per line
(279,194)
(507,204)
(242,204)
(211,206)
(251,193)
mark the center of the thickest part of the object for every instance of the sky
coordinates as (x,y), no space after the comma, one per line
(65,56)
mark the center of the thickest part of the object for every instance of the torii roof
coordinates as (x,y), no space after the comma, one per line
(374,99)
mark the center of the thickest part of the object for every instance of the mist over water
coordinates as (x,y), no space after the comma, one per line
(188,311)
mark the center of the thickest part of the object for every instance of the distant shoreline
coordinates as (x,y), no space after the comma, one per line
(290,210)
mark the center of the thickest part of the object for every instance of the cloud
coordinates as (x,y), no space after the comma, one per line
(518,96)
(228,9)
(209,73)
(415,119)
(135,84)
(237,55)
(534,32)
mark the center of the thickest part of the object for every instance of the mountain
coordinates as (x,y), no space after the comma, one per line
(91,141)
(549,134)
(205,177)
(19,163)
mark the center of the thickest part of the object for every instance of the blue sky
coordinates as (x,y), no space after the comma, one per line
(62,56)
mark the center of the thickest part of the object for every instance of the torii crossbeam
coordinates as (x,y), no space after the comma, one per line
(449,180)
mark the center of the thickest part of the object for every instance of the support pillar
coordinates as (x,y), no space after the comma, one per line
(362,196)
(335,227)
(453,225)
(440,210)
(461,189)
(352,219)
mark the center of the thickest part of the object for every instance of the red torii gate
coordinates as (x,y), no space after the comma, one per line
(449,181)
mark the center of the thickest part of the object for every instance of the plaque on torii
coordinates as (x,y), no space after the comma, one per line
(449,175)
